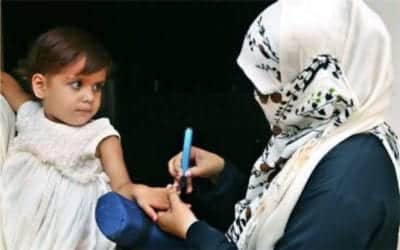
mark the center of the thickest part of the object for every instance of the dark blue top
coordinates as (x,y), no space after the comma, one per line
(350,202)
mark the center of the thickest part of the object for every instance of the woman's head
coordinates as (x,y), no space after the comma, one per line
(67,69)
(344,35)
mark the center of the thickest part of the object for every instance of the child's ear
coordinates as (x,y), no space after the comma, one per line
(39,85)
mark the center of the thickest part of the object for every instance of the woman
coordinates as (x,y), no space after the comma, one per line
(328,177)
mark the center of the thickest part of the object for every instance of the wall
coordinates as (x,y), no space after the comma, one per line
(389,10)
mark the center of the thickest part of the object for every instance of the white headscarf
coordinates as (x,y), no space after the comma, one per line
(326,67)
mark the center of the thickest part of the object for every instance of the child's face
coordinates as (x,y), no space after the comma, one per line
(69,96)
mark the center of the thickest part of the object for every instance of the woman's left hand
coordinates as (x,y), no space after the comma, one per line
(178,218)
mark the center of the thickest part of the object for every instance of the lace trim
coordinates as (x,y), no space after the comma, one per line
(84,169)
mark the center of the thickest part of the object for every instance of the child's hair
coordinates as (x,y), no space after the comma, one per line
(58,48)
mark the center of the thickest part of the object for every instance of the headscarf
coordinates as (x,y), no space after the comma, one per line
(322,72)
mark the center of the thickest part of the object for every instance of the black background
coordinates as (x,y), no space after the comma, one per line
(175,66)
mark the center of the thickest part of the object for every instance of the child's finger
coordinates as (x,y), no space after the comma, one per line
(174,199)
(161,205)
(150,212)
(189,183)
(176,184)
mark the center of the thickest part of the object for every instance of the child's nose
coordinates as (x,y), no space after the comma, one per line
(88,95)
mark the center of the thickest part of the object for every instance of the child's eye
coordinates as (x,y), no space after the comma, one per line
(76,85)
(98,87)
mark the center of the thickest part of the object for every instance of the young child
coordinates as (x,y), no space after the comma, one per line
(62,160)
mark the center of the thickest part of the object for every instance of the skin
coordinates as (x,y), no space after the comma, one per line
(179,217)
(72,98)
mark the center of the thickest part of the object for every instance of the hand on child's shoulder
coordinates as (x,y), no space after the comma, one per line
(6,78)
(12,92)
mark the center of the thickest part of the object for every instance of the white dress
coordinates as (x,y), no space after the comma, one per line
(50,183)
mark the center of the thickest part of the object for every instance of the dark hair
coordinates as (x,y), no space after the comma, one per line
(58,48)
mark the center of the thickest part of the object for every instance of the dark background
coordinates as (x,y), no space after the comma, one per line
(174,67)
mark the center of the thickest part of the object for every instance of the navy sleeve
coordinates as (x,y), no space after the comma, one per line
(351,201)
(201,236)
(215,203)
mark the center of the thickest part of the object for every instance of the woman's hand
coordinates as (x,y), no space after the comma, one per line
(178,218)
(206,165)
(150,199)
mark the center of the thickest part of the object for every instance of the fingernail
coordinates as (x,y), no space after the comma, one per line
(187,173)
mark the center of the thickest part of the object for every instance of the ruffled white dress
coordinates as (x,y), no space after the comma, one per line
(50,183)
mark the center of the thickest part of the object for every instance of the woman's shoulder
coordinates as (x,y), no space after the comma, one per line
(360,164)
(363,147)
(351,200)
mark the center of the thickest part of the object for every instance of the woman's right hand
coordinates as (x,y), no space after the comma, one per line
(206,165)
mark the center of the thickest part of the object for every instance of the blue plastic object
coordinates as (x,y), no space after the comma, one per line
(124,222)
(187,144)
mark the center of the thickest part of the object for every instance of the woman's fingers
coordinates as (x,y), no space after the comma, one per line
(174,166)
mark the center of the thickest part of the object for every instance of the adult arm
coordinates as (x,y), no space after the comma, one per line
(12,92)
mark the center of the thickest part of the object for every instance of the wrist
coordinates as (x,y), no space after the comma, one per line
(123,189)
(135,189)
(187,225)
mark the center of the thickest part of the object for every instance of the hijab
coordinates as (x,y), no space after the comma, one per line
(322,74)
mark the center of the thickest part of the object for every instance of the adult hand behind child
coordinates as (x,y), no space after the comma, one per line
(11,91)
(178,218)
(206,165)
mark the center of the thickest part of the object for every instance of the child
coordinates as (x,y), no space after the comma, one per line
(62,160)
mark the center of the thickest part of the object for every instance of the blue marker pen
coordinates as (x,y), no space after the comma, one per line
(187,144)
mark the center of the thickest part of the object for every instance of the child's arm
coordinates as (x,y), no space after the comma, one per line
(12,92)
(111,155)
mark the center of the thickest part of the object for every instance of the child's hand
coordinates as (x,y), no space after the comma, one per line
(149,199)
(178,218)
